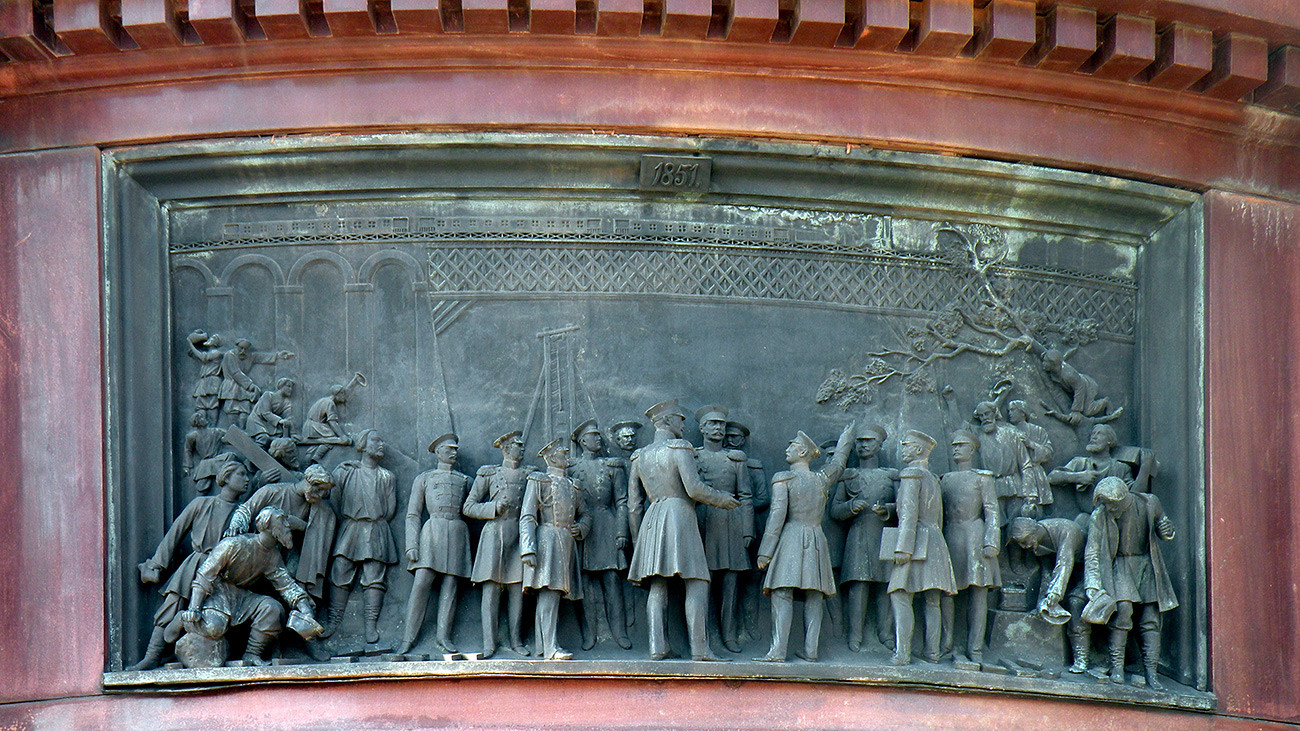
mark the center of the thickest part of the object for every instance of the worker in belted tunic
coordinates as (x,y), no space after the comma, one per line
(552,522)
(441,546)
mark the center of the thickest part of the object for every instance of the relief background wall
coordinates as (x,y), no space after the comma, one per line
(51,485)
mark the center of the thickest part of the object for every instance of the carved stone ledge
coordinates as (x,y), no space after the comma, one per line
(876,674)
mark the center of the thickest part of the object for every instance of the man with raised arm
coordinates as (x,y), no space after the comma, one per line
(794,549)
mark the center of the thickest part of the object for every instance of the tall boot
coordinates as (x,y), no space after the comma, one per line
(656,609)
(697,617)
(152,654)
(1079,642)
(446,613)
(1151,658)
(1118,639)
(338,605)
(782,619)
(857,612)
(257,642)
(812,624)
(727,615)
(374,603)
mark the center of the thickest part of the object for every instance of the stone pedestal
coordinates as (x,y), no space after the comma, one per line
(1026,637)
(197,651)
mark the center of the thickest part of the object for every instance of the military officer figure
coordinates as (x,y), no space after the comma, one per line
(666,535)
(794,549)
(738,439)
(496,497)
(551,524)
(441,546)
(604,488)
(727,534)
(971,530)
(921,561)
(865,498)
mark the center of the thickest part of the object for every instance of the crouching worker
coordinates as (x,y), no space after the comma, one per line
(220,598)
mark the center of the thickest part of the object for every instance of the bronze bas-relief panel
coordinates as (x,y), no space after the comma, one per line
(401,339)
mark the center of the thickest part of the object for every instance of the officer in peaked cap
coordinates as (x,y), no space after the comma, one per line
(585,427)
(728,534)
(496,497)
(445,438)
(440,545)
(667,535)
(552,522)
(603,481)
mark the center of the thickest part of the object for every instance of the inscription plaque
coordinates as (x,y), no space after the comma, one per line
(988,353)
(675,173)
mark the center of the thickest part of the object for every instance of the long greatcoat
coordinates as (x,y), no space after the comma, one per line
(498,558)
(862,541)
(920,519)
(794,539)
(552,505)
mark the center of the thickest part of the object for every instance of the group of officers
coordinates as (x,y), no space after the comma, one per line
(683,512)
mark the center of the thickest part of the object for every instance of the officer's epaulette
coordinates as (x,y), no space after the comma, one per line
(783,476)
(913,472)
(986,473)
(614,461)
(736,455)
(754,463)
(539,476)
(488,470)
(680,444)
(636,453)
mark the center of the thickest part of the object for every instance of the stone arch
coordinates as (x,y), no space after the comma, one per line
(345,266)
(244,260)
(380,258)
(209,279)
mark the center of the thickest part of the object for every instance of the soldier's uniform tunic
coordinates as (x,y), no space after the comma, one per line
(801,557)
(920,518)
(603,483)
(862,541)
(443,541)
(668,543)
(970,515)
(499,558)
(724,531)
(551,505)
